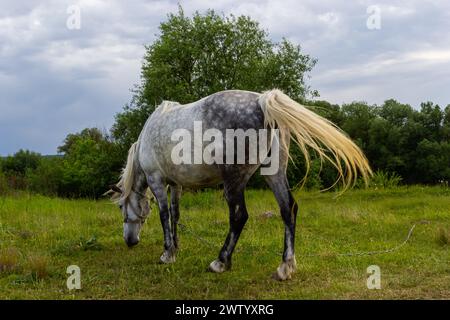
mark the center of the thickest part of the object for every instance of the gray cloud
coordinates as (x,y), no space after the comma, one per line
(54,81)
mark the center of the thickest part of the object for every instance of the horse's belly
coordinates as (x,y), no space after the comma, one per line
(195,175)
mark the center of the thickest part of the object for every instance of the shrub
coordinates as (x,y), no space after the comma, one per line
(382,179)
(20,162)
(89,168)
(3,184)
(46,178)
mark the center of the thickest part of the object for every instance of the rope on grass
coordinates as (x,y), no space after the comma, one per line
(183,227)
(369,253)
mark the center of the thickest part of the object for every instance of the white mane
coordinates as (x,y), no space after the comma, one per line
(167,106)
(126,178)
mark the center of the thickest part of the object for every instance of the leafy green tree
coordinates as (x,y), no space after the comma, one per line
(446,124)
(47,177)
(330,111)
(89,165)
(431,117)
(384,146)
(395,113)
(432,161)
(89,133)
(196,56)
(20,162)
(15,167)
(357,118)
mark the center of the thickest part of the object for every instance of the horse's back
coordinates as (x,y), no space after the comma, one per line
(232,109)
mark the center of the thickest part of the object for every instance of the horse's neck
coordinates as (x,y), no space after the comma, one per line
(139,179)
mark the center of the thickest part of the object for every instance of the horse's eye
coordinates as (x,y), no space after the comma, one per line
(120,206)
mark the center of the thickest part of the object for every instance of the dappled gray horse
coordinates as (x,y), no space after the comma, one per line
(151,163)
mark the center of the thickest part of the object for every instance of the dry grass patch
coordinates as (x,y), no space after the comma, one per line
(38,266)
(9,259)
(443,236)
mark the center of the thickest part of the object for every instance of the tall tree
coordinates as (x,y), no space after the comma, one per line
(446,124)
(92,133)
(199,55)
(431,117)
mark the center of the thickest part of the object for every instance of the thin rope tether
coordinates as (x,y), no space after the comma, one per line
(183,227)
(368,253)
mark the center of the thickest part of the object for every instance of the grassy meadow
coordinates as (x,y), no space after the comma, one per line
(40,237)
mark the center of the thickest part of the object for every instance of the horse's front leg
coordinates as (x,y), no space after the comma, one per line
(157,186)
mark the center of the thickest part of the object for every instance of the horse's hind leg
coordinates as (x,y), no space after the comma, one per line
(175,193)
(288,207)
(234,194)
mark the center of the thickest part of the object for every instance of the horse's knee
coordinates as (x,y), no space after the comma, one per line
(239,219)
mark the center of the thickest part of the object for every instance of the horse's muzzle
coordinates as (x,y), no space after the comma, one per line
(131,242)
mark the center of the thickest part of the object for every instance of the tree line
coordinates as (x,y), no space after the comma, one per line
(205,53)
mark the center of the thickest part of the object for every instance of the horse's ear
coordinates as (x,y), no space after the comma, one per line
(115,188)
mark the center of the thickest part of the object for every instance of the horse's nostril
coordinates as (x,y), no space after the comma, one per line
(131,242)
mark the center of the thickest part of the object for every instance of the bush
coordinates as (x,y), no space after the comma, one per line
(15,168)
(20,162)
(46,178)
(382,179)
(3,184)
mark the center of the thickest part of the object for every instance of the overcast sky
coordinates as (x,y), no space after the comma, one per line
(55,80)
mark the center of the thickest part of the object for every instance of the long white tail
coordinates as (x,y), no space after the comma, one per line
(309,130)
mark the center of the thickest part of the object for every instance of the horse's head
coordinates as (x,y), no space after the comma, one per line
(135,209)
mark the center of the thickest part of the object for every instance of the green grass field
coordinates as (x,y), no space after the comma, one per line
(40,237)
